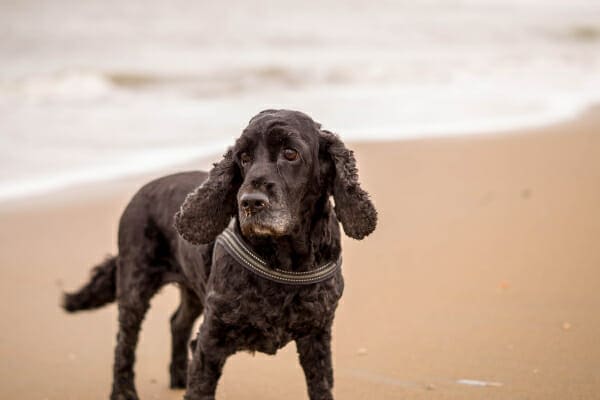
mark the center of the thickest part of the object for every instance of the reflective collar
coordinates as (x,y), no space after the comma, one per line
(235,246)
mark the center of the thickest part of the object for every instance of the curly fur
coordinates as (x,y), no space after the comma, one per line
(100,290)
(208,209)
(166,235)
(352,205)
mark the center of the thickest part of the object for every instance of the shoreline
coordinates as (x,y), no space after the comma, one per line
(73,184)
(484,267)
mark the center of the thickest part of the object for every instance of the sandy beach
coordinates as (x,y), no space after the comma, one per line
(485,266)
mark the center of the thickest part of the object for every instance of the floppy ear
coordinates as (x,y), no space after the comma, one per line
(353,207)
(207,210)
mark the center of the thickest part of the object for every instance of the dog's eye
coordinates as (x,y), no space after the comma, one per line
(245,158)
(290,154)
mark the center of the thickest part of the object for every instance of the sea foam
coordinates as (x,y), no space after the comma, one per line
(113,90)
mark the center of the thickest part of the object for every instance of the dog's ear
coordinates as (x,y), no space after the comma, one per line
(353,207)
(207,210)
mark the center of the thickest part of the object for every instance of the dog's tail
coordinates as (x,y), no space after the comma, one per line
(100,290)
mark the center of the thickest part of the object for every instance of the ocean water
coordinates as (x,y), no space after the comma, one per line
(93,90)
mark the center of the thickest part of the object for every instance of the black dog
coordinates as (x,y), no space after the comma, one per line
(272,276)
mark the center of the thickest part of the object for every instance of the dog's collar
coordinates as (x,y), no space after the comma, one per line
(235,246)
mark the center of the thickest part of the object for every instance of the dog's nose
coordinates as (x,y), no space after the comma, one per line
(253,202)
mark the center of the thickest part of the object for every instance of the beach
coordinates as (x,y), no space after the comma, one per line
(480,282)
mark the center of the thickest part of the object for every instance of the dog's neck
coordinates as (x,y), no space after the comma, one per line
(315,241)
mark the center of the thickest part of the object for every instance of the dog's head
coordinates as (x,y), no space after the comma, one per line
(271,180)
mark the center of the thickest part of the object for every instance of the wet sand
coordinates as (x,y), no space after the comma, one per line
(485,266)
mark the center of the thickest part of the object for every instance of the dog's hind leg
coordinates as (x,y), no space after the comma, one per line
(182,322)
(135,287)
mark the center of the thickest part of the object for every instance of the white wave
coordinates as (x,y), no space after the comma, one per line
(134,163)
(65,86)
(94,96)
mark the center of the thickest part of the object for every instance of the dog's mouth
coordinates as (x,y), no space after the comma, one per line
(265,223)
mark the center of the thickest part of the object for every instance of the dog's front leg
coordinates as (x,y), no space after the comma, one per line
(206,365)
(314,351)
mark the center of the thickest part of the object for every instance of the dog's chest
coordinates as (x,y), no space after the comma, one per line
(264,316)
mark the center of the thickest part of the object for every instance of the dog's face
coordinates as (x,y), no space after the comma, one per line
(271,179)
(276,155)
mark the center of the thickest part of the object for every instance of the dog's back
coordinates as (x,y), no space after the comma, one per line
(146,226)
